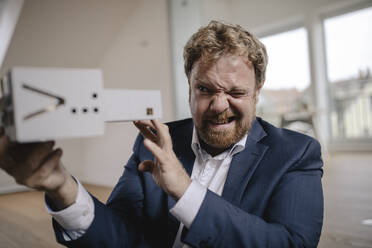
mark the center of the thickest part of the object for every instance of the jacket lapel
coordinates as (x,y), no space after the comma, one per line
(244,164)
(182,148)
(187,159)
(182,138)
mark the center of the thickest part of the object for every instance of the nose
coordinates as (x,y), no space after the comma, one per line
(219,103)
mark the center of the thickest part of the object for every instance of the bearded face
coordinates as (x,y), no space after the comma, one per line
(215,130)
(223,99)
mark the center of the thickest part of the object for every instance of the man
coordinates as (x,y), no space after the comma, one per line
(223,179)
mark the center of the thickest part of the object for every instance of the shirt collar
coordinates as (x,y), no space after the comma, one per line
(201,153)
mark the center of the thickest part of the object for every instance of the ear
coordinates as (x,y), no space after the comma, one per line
(258,91)
(189,93)
(188,80)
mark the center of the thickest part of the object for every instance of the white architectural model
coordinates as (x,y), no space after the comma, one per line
(40,104)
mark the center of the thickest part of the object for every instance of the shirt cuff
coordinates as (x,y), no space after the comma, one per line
(79,216)
(187,207)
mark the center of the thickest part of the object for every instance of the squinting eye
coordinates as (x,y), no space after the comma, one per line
(202,88)
(238,94)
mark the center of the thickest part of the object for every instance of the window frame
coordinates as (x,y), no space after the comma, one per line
(287,26)
(341,144)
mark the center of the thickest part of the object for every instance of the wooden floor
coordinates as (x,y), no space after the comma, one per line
(24,221)
(347,185)
(348,200)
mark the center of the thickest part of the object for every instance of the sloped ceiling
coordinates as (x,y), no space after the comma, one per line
(69,33)
(9,13)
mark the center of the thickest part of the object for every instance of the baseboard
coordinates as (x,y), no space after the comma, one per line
(13,189)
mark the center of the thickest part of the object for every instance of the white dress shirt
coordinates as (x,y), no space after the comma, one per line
(77,218)
(208,173)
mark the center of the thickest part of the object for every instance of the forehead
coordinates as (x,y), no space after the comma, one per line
(228,71)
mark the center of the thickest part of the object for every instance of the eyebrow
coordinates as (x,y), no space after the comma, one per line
(239,89)
(205,83)
(208,84)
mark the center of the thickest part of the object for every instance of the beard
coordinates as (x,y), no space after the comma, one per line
(227,137)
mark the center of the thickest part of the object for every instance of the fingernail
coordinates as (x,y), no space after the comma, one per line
(50,143)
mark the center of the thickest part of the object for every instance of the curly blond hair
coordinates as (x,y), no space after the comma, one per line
(216,39)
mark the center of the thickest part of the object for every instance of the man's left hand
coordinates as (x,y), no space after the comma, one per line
(166,170)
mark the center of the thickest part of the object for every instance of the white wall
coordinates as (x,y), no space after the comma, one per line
(220,10)
(137,58)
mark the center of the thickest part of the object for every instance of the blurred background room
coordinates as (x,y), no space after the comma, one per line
(319,82)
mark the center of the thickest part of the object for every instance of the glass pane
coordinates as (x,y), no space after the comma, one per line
(349,64)
(286,96)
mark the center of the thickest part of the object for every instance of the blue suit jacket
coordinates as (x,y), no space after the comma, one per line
(272,198)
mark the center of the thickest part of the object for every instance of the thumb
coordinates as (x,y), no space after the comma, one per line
(146,165)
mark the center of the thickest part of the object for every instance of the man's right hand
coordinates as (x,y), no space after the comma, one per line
(38,166)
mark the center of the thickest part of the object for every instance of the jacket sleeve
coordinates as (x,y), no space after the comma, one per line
(293,217)
(119,222)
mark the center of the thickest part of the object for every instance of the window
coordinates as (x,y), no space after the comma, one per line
(286,99)
(348,40)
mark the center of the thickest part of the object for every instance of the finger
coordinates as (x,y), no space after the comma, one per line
(145,131)
(146,165)
(146,123)
(163,134)
(49,163)
(39,154)
(4,143)
(6,162)
(45,169)
(154,149)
